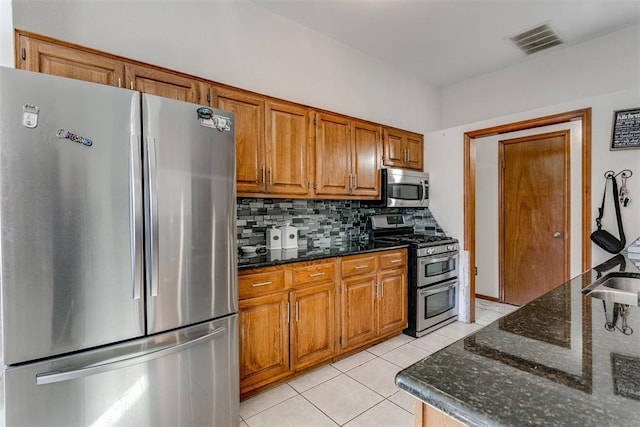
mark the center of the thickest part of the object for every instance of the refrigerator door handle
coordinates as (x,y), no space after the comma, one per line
(153,214)
(58,376)
(135,225)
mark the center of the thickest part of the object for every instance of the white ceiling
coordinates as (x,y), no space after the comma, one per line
(446,41)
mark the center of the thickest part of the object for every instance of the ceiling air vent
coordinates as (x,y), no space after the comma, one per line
(536,39)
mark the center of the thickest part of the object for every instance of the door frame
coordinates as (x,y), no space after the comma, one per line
(501,202)
(470,183)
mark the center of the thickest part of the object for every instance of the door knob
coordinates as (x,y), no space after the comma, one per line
(557,234)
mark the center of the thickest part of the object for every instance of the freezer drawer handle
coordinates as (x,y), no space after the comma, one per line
(61,376)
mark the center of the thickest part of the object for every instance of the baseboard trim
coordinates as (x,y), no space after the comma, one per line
(488,298)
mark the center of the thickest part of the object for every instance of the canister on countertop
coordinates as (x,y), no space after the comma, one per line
(289,236)
(274,238)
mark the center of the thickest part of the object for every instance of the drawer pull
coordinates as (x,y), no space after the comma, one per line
(396,260)
(359,267)
(255,285)
(317,274)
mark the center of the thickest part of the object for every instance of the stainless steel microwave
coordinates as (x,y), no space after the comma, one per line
(404,189)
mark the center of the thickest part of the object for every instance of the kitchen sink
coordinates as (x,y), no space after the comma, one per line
(623,288)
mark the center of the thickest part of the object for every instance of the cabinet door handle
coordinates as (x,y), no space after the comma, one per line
(359,267)
(297,311)
(270,177)
(288,311)
(348,184)
(255,285)
(381,289)
(317,274)
(355,181)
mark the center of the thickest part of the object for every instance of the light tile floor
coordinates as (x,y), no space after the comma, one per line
(359,390)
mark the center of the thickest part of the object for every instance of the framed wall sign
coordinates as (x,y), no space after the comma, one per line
(626,129)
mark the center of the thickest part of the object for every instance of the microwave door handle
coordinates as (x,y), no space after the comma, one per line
(437,291)
(424,191)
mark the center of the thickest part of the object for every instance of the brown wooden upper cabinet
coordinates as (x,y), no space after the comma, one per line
(346,157)
(251,168)
(162,83)
(288,128)
(279,152)
(272,144)
(50,58)
(403,149)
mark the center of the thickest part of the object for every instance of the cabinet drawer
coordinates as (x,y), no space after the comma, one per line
(393,260)
(256,284)
(310,274)
(360,264)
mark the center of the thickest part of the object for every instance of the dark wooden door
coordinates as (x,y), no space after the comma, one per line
(534,215)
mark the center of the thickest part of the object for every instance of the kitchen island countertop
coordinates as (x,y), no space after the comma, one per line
(562,359)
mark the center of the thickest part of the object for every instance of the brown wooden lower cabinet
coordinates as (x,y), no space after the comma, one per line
(374,302)
(294,317)
(289,330)
(264,339)
(428,416)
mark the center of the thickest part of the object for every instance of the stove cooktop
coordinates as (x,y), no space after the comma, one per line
(418,240)
(400,229)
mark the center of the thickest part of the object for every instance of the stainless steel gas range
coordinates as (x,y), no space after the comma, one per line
(433,272)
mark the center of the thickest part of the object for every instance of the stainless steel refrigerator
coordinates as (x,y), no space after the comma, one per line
(118,279)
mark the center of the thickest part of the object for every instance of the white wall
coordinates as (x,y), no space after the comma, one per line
(444,162)
(6,34)
(605,65)
(241,44)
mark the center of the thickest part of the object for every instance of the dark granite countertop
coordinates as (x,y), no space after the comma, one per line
(554,361)
(287,256)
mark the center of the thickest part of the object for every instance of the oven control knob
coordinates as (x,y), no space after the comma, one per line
(451,247)
(430,251)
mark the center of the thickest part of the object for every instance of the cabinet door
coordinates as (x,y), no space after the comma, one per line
(415,152)
(392,302)
(394,148)
(264,340)
(365,140)
(49,58)
(249,116)
(358,317)
(287,148)
(312,325)
(162,83)
(332,155)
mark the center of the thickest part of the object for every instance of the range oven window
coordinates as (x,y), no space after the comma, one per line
(406,191)
(439,267)
(440,302)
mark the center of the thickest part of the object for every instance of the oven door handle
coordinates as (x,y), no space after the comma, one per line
(425,292)
(429,260)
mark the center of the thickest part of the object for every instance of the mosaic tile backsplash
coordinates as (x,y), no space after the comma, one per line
(320,223)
